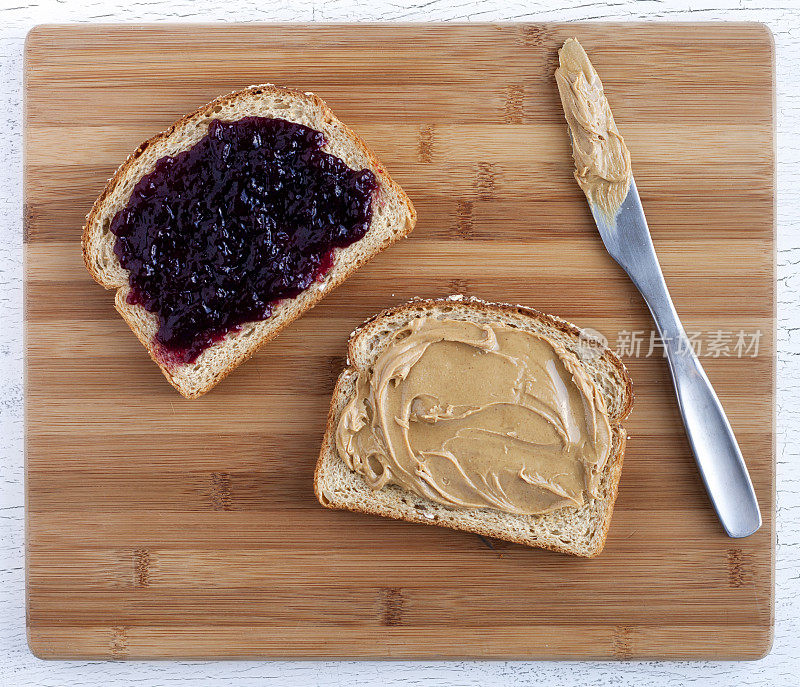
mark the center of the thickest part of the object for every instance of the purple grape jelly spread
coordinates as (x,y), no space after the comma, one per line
(216,235)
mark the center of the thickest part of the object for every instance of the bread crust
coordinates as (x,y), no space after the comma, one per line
(373,508)
(130,169)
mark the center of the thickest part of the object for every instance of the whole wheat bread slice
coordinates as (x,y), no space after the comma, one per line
(579,531)
(393,218)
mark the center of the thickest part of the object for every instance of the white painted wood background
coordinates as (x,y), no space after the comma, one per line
(18,667)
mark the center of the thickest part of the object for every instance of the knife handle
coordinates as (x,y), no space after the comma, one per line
(714,446)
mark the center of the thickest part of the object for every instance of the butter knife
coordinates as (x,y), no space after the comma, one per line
(626,237)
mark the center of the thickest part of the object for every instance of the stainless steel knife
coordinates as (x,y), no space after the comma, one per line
(603,171)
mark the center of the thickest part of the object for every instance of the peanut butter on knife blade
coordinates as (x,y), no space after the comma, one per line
(602,161)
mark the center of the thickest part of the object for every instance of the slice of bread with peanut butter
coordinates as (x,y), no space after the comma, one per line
(489,418)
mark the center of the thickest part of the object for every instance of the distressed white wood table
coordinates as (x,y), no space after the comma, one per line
(19,667)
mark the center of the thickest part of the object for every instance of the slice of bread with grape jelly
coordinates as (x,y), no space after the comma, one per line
(223,229)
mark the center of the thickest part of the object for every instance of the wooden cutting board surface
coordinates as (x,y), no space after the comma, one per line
(160,527)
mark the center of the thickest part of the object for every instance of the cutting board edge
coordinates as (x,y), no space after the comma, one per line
(620,647)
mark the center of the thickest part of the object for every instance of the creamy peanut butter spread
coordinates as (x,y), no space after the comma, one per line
(602,161)
(477,416)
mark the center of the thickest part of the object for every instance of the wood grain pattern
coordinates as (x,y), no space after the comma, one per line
(159,527)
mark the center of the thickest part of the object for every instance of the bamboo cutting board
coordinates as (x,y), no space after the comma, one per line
(159,527)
